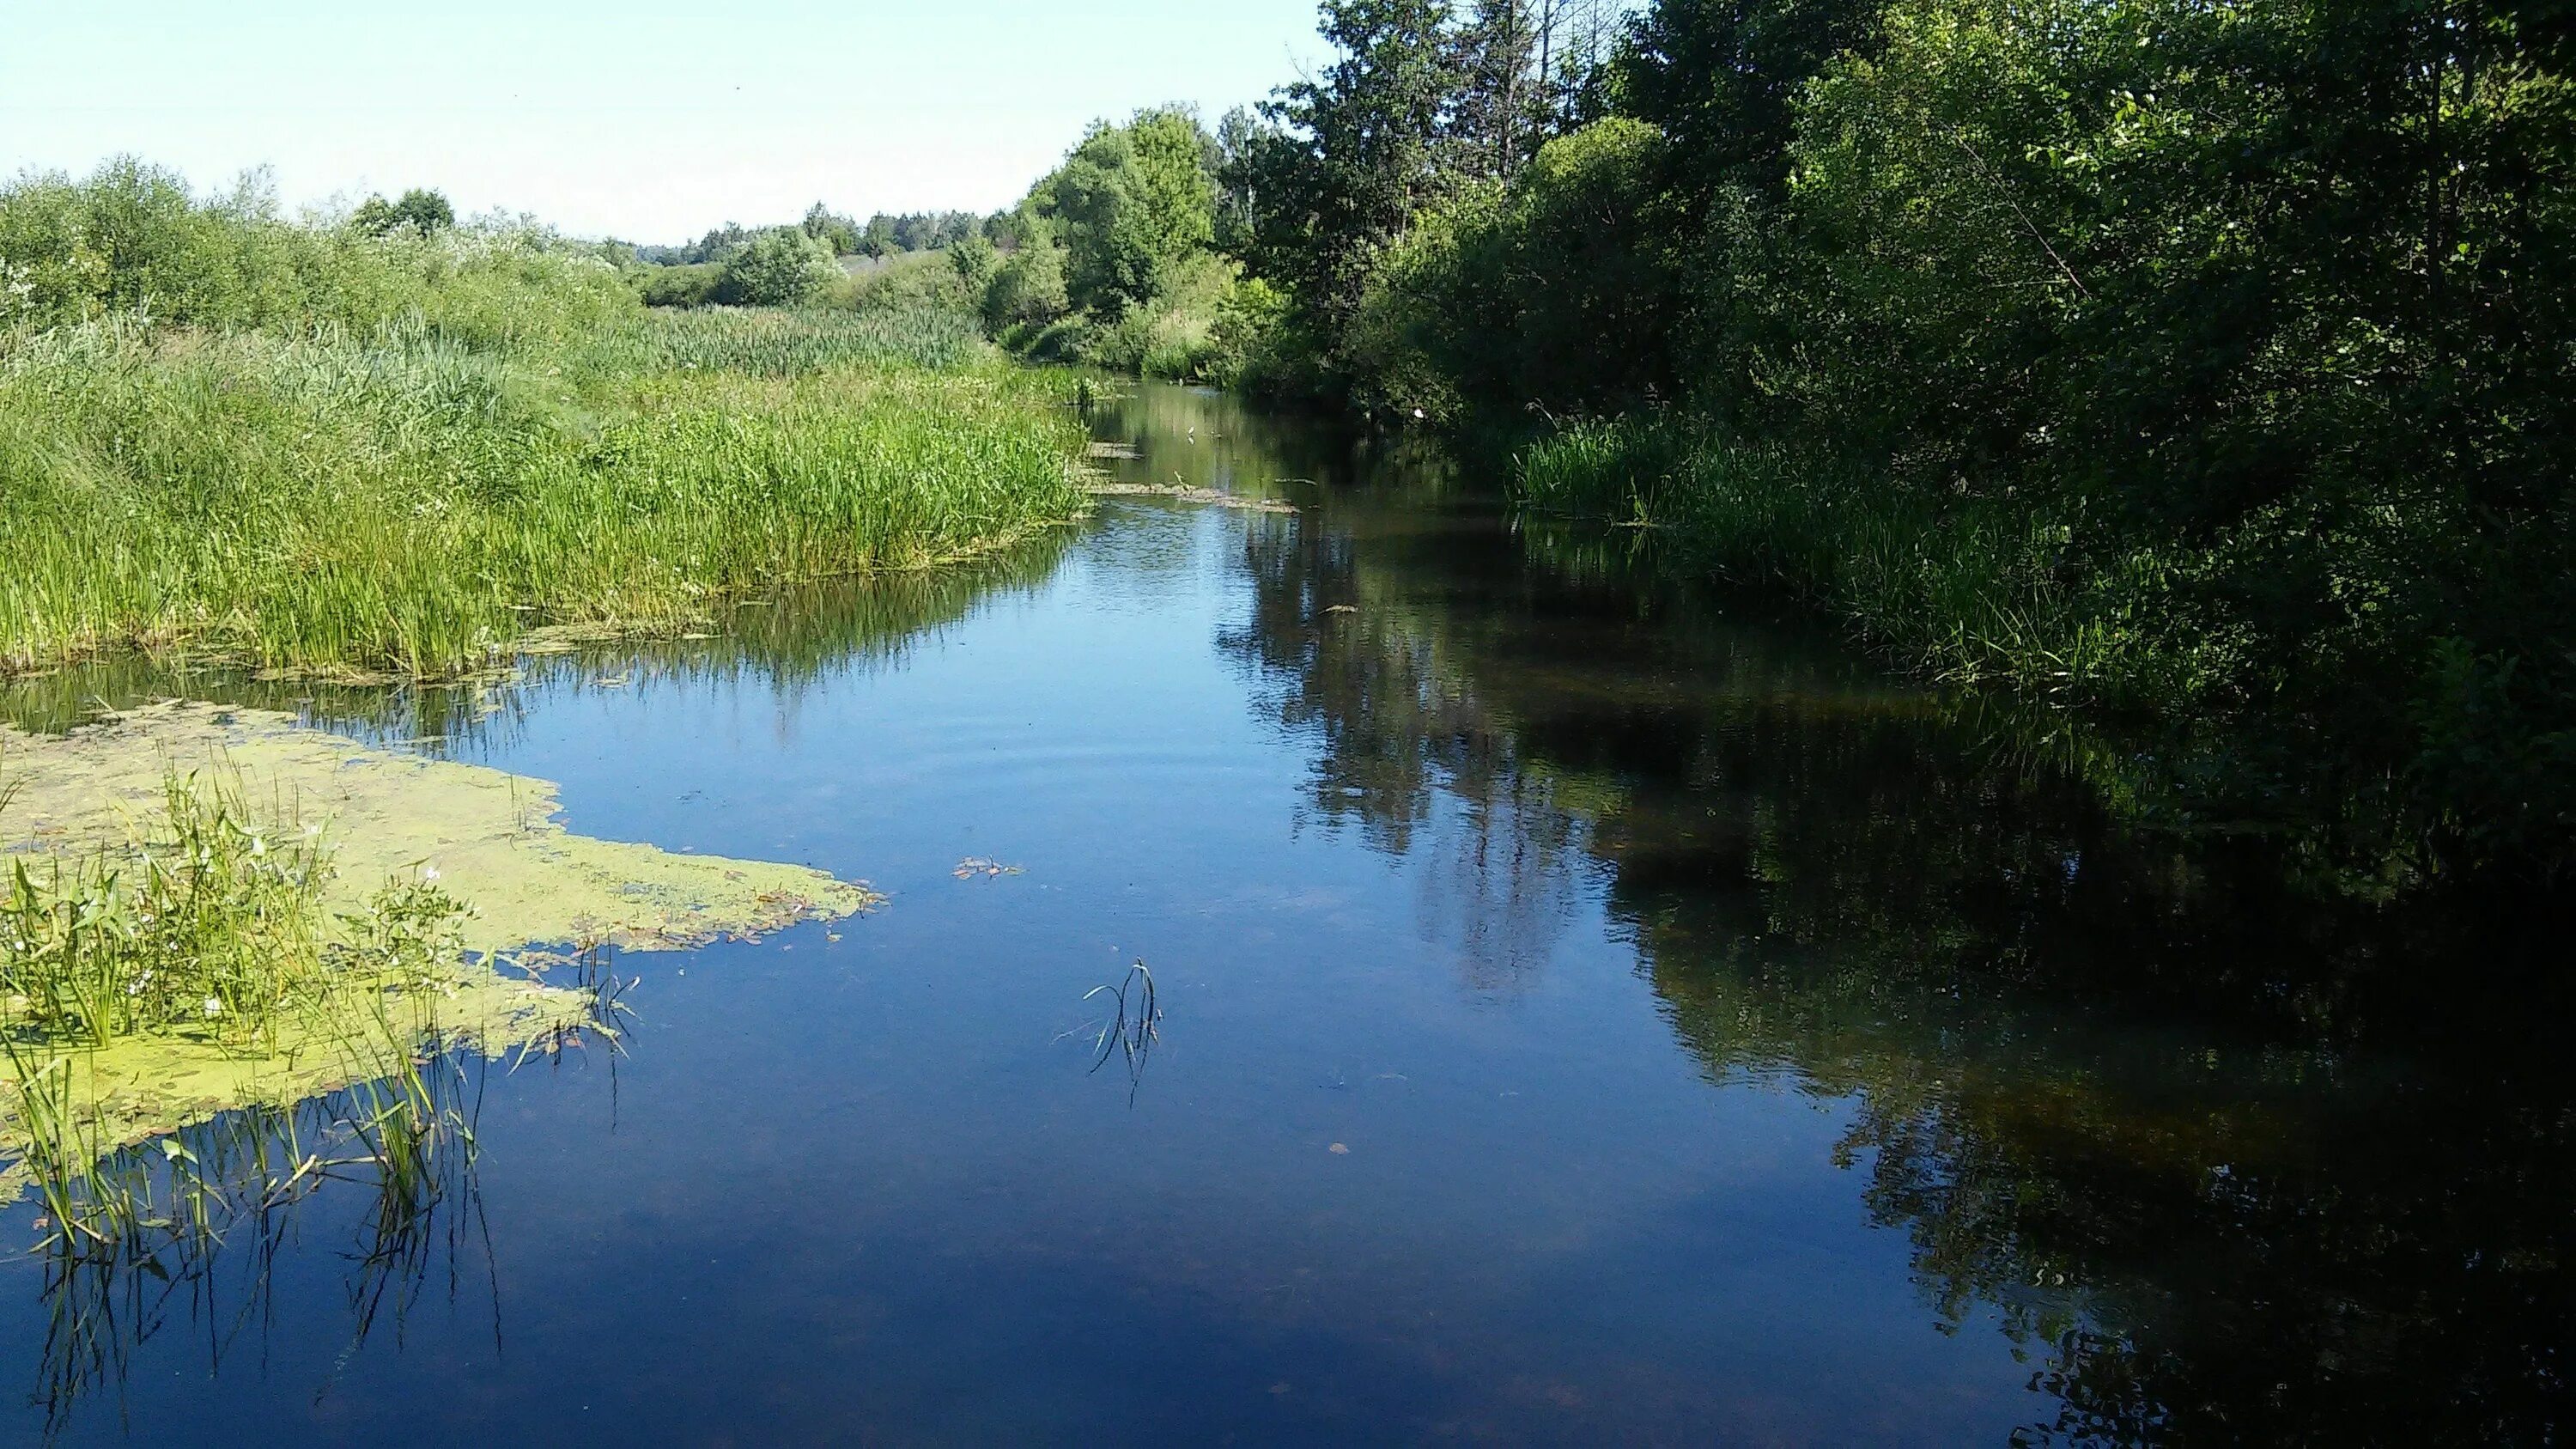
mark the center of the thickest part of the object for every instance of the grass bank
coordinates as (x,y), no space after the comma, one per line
(312,449)
(2226,659)
(405,503)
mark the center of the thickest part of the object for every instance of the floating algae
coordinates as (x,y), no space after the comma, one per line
(487,838)
(491,837)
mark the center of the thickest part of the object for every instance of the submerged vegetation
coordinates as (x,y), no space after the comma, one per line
(318,448)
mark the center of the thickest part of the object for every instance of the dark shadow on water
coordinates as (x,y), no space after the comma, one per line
(2233,1152)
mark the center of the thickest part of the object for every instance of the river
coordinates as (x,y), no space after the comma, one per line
(1594,1007)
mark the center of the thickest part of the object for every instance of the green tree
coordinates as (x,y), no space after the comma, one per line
(777,268)
(1129,205)
(976,261)
(832,229)
(418,211)
(1496,119)
(1029,289)
(1352,154)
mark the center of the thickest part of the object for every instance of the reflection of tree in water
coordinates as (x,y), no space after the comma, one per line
(2230,1161)
(1409,756)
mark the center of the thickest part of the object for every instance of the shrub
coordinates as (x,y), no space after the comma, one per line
(684,286)
(776,269)
(1028,291)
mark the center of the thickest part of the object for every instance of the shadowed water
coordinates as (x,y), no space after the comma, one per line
(1593,1007)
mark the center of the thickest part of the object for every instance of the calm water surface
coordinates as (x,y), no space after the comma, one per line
(1595,1010)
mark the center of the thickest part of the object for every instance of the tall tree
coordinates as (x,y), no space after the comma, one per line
(1497,118)
(1722,78)
(1355,150)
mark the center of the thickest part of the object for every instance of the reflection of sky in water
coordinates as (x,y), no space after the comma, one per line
(1691,1006)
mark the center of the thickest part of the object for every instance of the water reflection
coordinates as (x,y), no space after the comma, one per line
(2227,1156)
(782,644)
(185,1236)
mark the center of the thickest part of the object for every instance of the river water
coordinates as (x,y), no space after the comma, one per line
(1594,1008)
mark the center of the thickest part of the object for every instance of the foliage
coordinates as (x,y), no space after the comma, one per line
(1551,263)
(776,269)
(210,924)
(1029,290)
(414,506)
(417,211)
(1172,334)
(314,449)
(975,260)
(907,282)
(678,286)
(879,236)
(1352,154)
(1129,205)
(2200,359)
(132,240)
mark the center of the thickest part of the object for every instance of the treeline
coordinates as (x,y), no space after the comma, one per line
(807,262)
(2205,360)
(881,235)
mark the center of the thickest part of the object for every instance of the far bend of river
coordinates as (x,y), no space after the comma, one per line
(1596,1010)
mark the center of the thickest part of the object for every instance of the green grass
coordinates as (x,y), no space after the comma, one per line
(1963,592)
(209,924)
(771,343)
(408,503)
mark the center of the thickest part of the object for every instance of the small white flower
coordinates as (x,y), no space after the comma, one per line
(214,1007)
(430,873)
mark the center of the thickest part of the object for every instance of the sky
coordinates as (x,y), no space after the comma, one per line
(637,119)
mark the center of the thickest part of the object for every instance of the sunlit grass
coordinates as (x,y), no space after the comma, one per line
(408,505)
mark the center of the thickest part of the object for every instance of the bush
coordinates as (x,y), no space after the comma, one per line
(1028,291)
(684,286)
(908,281)
(1558,265)
(132,240)
(776,269)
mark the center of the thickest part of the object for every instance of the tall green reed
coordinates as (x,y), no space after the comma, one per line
(405,504)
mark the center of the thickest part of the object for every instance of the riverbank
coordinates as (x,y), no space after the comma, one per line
(404,505)
(313,450)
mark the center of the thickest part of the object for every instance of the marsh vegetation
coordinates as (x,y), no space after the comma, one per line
(320,450)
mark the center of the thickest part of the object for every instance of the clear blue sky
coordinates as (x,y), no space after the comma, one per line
(638,118)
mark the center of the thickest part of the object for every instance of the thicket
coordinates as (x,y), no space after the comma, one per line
(1113,258)
(315,448)
(2196,359)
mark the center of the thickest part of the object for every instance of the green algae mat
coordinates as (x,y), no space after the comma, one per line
(488,838)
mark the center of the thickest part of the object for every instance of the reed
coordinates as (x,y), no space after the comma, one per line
(1962,591)
(409,505)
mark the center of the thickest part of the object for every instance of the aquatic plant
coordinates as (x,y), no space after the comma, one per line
(1134,1026)
(196,1222)
(207,923)
(778,343)
(312,449)
(411,506)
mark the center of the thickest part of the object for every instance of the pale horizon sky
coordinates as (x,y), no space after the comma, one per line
(642,120)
